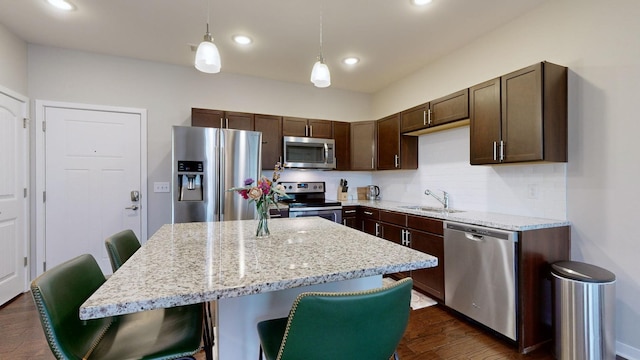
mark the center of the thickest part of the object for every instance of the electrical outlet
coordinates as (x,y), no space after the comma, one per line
(161,187)
(532,191)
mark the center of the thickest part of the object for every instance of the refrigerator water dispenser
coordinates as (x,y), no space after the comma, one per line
(190,179)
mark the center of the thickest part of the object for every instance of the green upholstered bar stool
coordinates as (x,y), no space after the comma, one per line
(120,247)
(58,295)
(342,325)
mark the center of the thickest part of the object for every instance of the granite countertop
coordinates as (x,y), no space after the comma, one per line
(494,220)
(191,263)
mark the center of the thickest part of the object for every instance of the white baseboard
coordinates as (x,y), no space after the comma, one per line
(627,352)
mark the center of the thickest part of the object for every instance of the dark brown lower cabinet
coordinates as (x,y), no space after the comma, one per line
(431,280)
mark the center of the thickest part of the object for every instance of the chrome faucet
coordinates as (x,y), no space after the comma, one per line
(444,200)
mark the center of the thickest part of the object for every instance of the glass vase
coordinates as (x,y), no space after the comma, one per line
(263,220)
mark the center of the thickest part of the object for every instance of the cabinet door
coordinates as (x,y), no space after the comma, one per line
(363,145)
(207,117)
(522,115)
(484,104)
(342,137)
(430,280)
(414,118)
(322,129)
(450,108)
(271,128)
(294,126)
(239,121)
(389,142)
(371,227)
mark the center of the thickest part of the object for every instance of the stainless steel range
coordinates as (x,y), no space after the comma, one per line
(307,199)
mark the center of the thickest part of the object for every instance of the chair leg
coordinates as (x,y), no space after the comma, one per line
(395,355)
(260,353)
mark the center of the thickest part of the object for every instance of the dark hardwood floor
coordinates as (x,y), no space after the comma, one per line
(433,333)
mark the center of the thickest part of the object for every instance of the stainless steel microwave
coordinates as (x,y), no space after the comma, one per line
(309,153)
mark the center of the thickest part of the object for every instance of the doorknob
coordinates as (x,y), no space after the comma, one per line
(132,207)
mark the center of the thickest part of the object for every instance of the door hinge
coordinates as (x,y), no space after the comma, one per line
(44,266)
(44,126)
(25,261)
(25,122)
(25,192)
(44,196)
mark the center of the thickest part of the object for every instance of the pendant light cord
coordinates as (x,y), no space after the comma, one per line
(321,57)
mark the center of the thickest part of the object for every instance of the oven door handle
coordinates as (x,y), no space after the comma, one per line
(319,208)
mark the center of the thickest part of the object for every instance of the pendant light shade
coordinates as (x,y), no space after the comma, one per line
(208,56)
(320,76)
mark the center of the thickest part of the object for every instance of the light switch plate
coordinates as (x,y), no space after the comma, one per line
(161,187)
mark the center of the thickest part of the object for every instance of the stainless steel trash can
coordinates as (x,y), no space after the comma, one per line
(584,311)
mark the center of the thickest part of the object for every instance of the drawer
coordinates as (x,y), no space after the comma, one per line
(349,211)
(395,218)
(425,224)
(369,213)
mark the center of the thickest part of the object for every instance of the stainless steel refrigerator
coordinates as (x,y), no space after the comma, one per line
(207,162)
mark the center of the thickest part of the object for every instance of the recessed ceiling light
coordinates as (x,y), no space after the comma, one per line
(242,39)
(62,4)
(351,60)
(420,2)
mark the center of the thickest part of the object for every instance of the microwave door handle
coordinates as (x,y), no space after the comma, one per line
(326,153)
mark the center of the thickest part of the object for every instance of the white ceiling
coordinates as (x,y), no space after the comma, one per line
(393,38)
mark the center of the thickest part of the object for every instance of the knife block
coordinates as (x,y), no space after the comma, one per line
(343,196)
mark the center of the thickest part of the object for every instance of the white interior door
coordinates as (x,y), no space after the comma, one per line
(93,165)
(13,202)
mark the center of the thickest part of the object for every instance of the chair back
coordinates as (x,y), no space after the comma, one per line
(58,294)
(360,325)
(120,247)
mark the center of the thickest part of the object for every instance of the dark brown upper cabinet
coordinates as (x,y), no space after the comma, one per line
(292,126)
(342,137)
(271,128)
(437,112)
(527,123)
(222,119)
(395,151)
(363,145)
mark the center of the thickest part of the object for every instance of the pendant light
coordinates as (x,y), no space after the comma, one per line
(207,55)
(320,76)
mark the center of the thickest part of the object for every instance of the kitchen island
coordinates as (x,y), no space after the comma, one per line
(249,279)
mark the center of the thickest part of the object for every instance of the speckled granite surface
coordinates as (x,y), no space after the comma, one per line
(494,220)
(197,262)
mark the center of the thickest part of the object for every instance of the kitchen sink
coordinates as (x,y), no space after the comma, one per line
(429,209)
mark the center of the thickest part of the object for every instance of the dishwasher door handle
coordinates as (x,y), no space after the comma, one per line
(473,237)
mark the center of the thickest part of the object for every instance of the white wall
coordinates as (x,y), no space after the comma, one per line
(13,62)
(168,92)
(599,43)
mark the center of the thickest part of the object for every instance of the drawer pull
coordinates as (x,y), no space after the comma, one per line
(368,213)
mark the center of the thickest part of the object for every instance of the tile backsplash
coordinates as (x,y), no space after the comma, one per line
(537,190)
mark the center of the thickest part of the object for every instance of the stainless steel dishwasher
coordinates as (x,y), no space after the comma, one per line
(480,275)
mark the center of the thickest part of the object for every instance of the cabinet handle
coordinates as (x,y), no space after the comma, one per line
(221,123)
(424,118)
(368,213)
(275,215)
(344,222)
(226,123)
(378,229)
(429,115)
(396,161)
(495,151)
(372,163)
(501,151)
(408,238)
(310,130)
(349,211)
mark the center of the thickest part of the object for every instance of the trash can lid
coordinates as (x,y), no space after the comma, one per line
(575,270)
